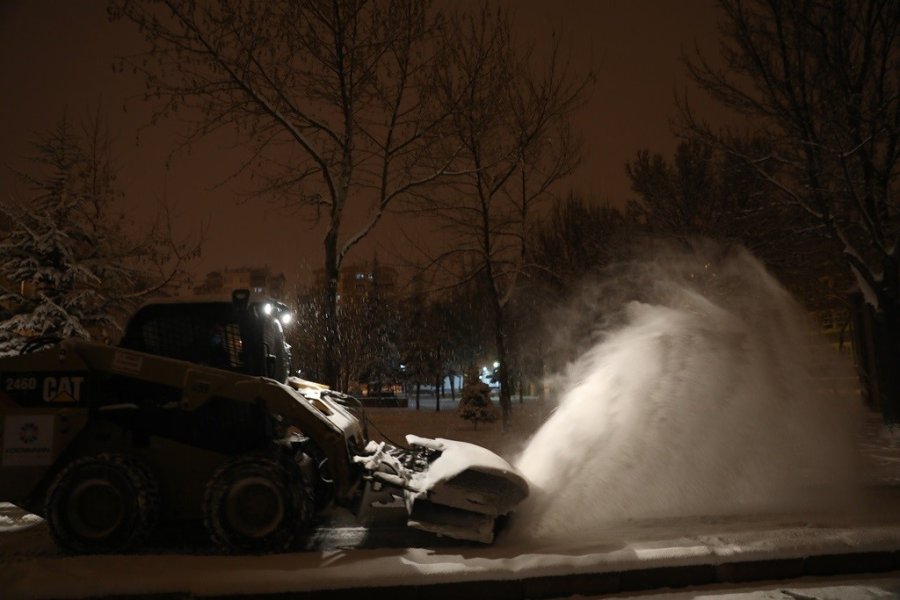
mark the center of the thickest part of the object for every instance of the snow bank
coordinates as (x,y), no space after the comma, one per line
(17,519)
(711,397)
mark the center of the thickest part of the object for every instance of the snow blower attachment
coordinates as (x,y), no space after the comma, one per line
(450,488)
(193,417)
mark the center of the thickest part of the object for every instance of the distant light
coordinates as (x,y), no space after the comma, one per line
(268,308)
(496,364)
(286,318)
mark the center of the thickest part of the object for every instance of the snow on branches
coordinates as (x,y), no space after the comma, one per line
(67,266)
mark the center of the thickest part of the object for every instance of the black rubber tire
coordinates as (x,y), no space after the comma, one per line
(257,504)
(108,503)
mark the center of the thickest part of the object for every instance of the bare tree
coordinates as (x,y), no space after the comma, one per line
(367,347)
(331,98)
(820,81)
(576,240)
(510,117)
(682,198)
(705,193)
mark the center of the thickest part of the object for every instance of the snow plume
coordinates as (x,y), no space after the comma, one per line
(709,396)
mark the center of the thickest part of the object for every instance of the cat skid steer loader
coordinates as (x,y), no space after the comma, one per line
(193,416)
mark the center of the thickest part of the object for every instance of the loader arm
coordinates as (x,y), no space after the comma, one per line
(336,434)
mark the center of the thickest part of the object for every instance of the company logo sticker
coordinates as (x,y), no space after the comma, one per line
(27,440)
(28,433)
(62,389)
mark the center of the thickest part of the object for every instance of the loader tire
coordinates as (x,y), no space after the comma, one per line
(108,503)
(257,504)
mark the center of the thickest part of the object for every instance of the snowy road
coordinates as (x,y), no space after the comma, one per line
(705,553)
(631,556)
(623,558)
(24,536)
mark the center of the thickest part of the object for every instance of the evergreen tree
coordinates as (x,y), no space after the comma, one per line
(475,404)
(67,267)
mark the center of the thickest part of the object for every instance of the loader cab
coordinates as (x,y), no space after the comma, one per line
(243,333)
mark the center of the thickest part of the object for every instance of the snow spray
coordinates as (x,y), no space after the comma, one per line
(709,396)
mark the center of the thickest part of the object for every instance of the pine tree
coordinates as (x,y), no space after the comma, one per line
(67,268)
(475,403)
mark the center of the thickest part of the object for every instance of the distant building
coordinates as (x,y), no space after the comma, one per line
(361,277)
(255,279)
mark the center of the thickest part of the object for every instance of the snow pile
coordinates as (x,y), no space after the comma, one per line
(710,397)
(13,518)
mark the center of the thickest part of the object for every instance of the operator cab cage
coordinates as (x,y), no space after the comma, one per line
(242,333)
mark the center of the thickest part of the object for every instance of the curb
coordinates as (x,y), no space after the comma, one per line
(588,584)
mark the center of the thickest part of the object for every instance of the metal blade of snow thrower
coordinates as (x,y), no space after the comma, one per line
(462,490)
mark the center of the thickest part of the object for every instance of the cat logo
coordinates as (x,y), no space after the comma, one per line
(62,389)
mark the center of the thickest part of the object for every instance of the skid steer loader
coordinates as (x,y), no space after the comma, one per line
(194,416)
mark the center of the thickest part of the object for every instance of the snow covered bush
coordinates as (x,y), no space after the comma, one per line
(475,401)
(68,267)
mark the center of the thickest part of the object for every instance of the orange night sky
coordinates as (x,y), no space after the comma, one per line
(57,55)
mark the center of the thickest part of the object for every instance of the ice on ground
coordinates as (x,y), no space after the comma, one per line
(712,397)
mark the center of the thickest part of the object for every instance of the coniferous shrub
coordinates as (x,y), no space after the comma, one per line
(475,401)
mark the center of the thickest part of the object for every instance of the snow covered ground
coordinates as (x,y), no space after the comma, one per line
(838,588)
(40,573)
(343,556)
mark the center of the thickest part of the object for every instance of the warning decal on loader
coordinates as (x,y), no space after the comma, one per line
(127,363)
(27,440)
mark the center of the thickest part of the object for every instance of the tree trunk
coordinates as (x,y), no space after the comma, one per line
(889,354)
(499,337)
(876,340)
(437,394)
(452,387)
(503,372)
(542,394)
(332,273)
(418,389)
(887,359)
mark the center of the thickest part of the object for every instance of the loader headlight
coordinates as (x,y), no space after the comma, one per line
(268,308)
(286,318)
